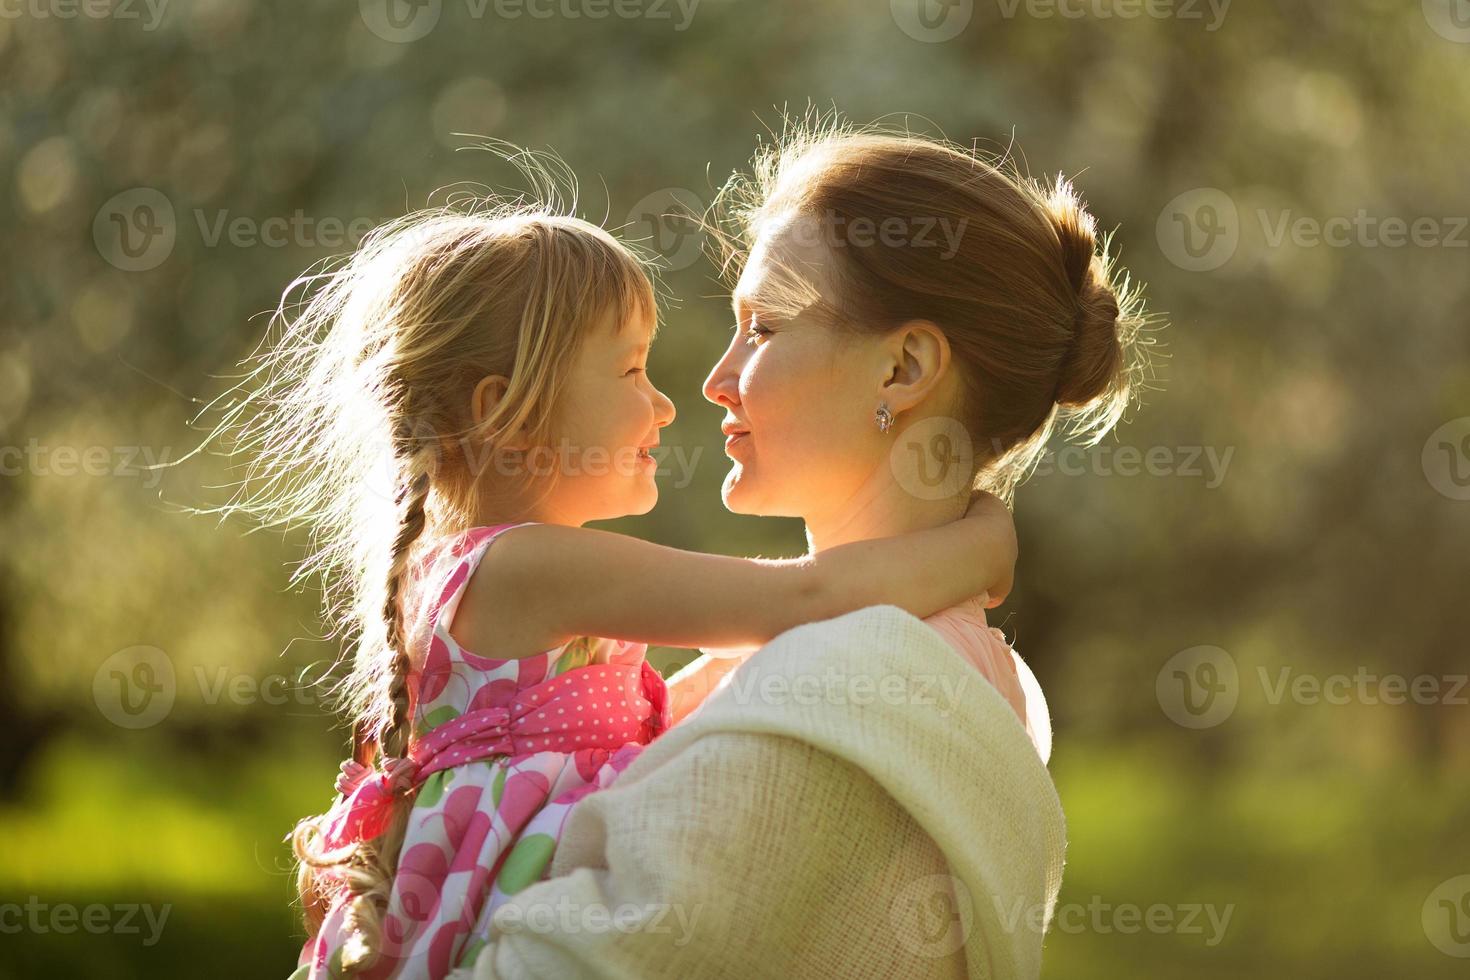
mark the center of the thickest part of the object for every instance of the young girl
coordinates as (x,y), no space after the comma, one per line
(499,360)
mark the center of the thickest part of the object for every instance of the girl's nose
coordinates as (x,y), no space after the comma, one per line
(663,407)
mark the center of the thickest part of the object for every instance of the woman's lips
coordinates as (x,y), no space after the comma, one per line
(735,439)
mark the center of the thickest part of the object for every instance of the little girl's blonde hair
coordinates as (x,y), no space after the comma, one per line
(358,423)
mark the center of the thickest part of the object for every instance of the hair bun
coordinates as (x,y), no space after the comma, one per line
(1093,361)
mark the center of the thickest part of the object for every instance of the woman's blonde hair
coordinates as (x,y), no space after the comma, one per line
(357,423)
(1040,323)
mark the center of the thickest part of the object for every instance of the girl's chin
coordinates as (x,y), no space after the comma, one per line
(646,495)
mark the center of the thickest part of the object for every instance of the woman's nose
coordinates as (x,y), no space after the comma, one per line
(723,384)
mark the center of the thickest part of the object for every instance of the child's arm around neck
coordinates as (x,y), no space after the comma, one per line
(556,582)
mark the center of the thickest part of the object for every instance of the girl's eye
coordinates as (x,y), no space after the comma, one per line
(633,372)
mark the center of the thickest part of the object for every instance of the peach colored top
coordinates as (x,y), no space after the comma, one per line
(965,628)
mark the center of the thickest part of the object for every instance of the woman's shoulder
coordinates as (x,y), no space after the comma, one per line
(965,629)
(878,667)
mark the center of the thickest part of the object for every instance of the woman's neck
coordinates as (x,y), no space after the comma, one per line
(881,508)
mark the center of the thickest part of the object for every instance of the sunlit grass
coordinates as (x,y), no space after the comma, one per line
(107,817)
(1324,871)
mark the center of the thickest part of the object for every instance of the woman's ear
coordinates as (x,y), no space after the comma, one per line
(917,362)
(483,401)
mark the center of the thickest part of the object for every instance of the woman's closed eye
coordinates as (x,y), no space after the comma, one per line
(754,331)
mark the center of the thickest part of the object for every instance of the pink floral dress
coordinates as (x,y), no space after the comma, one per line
(501,750)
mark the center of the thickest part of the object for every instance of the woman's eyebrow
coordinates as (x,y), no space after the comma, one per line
(745,304)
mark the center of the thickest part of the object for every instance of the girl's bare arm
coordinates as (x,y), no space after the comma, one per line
(560,582)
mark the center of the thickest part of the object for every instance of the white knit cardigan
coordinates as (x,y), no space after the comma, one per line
(855,801)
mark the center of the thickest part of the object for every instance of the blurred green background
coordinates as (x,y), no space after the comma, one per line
(1291,507)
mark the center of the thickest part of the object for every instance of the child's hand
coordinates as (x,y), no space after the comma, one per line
(1000,551)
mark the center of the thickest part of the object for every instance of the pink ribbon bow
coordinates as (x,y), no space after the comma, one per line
(368,794)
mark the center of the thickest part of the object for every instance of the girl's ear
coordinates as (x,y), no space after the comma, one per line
(917,360)
(483,401)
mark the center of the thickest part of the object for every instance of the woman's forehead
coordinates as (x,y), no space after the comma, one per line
(789,268)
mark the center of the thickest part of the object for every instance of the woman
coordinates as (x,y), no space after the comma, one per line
(910,322)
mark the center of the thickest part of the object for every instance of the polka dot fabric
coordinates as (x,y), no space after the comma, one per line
(503,749)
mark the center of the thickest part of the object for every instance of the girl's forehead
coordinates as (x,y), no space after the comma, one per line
(637,328)
(620,333)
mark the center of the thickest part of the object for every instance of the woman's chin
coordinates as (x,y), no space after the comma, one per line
(736,495)
(741,495)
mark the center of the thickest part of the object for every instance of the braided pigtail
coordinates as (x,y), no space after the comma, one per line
(371,886)
(364,870)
